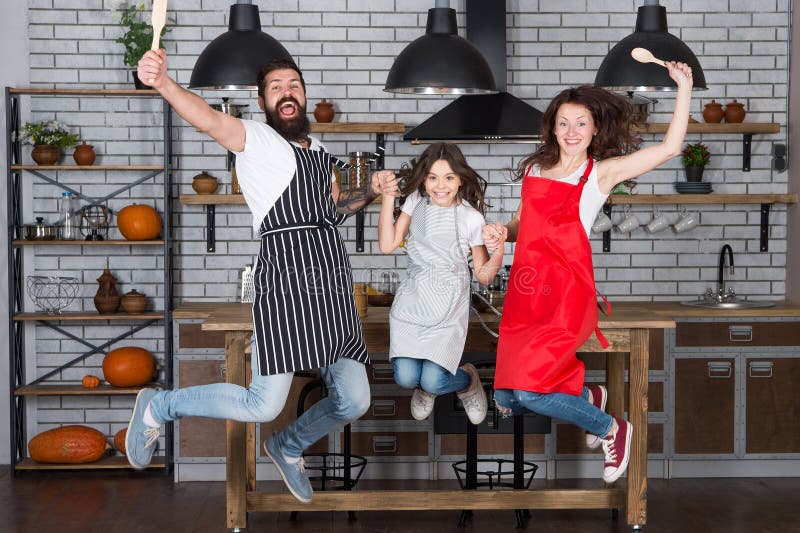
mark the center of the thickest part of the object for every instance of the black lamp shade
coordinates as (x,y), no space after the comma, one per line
(232,60)
(620,72)
(441,62)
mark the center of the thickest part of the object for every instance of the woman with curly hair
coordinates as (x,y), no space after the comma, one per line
(550,309)
(443,220)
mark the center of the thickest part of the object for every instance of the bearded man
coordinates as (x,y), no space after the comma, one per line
(304,316)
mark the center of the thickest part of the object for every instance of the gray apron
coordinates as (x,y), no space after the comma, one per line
(430,313)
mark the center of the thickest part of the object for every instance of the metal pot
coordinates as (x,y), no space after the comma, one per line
(235,110)
(641,107)
(40,231)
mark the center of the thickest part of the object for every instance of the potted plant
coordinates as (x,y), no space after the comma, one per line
(138,36)
(48,139)
(695,157)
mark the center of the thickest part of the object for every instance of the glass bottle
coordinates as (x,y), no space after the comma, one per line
(69,217)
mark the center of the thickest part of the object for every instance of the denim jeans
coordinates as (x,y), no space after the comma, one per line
(573,409)
(412,373)
(348,398)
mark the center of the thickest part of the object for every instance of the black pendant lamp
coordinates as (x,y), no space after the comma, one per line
(620,72)
(440,62)
(232,60)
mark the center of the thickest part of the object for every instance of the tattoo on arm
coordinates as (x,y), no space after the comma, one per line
(350,202)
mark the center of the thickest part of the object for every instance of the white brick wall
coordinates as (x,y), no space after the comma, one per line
(346,48)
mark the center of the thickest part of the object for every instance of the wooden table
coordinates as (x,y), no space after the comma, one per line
(627,331)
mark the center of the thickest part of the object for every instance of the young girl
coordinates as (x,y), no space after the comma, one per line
(443,218)
(550,309)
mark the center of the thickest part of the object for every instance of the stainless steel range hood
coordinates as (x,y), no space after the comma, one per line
(500,117)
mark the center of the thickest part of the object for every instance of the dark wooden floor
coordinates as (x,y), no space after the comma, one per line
(122,502)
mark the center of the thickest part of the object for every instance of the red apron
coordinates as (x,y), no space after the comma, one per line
(551,307)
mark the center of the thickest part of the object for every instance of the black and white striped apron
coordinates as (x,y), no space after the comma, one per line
(304,315)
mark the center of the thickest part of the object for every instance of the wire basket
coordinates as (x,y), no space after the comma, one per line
(51,294)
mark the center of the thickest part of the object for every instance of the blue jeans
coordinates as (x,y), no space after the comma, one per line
(412,373)
(573,409)
(347,400)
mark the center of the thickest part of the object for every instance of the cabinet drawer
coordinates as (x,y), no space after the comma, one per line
(491,445)
(390,443)
(389,408)
(380,373)
(191,336)
(737,334)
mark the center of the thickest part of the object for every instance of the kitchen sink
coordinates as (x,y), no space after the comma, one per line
(734,304)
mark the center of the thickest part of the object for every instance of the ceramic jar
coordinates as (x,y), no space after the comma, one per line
(204,183)
(45,154)
(134,302)
(84,154)
(713,112)
(734,112)
(107,299)
(323,112)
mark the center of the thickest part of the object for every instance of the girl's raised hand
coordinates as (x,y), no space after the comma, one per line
(494,235)
(681,73)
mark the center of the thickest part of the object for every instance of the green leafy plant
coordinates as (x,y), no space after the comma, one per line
(48,132)
(138,37)
(696,155)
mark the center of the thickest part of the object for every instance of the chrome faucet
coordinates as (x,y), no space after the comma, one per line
(721,271)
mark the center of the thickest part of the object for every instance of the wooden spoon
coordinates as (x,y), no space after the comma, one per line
(159,18)
(642,55)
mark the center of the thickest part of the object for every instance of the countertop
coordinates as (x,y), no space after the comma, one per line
(627,313)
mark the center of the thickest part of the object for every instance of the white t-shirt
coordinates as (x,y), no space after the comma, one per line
(470,222)
(265,167)
(592,199)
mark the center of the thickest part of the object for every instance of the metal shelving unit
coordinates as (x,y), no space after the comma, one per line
(20,386)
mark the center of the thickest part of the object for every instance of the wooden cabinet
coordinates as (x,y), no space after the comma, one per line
(704,405)
(772,405)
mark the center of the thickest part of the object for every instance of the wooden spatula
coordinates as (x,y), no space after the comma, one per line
(159,18)
(642,55)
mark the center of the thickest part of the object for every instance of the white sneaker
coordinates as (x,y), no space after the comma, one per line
(473,397)
(421,404)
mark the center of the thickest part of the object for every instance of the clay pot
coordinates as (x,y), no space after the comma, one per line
(84,154)
(204,184)
(694,174)
(107,298)
(713,112)
(323,112)
(46,154)
(134,302)
(734,112)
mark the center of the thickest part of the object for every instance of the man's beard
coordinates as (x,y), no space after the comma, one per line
(295,129)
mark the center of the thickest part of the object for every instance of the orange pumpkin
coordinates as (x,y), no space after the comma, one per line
(90,382)
(68,444)
(139,222)
(129,366)
(119,440)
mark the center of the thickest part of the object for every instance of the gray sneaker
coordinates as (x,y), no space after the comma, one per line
(141,440)
(422,404)
(293,474)
(473,398)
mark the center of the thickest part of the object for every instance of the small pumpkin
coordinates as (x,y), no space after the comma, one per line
(68,444)
(129,366)
(90,381)
(139,222)
(119,440)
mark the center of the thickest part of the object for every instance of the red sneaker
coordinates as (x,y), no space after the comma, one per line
(618,451)
(598,395)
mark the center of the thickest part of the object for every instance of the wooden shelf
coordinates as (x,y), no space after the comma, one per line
(107,463)
(357,127)
(87,167)
(87,243)
(708,199)
(74,390)
(85,92)
(86,315)
(212,199)
(702,127)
